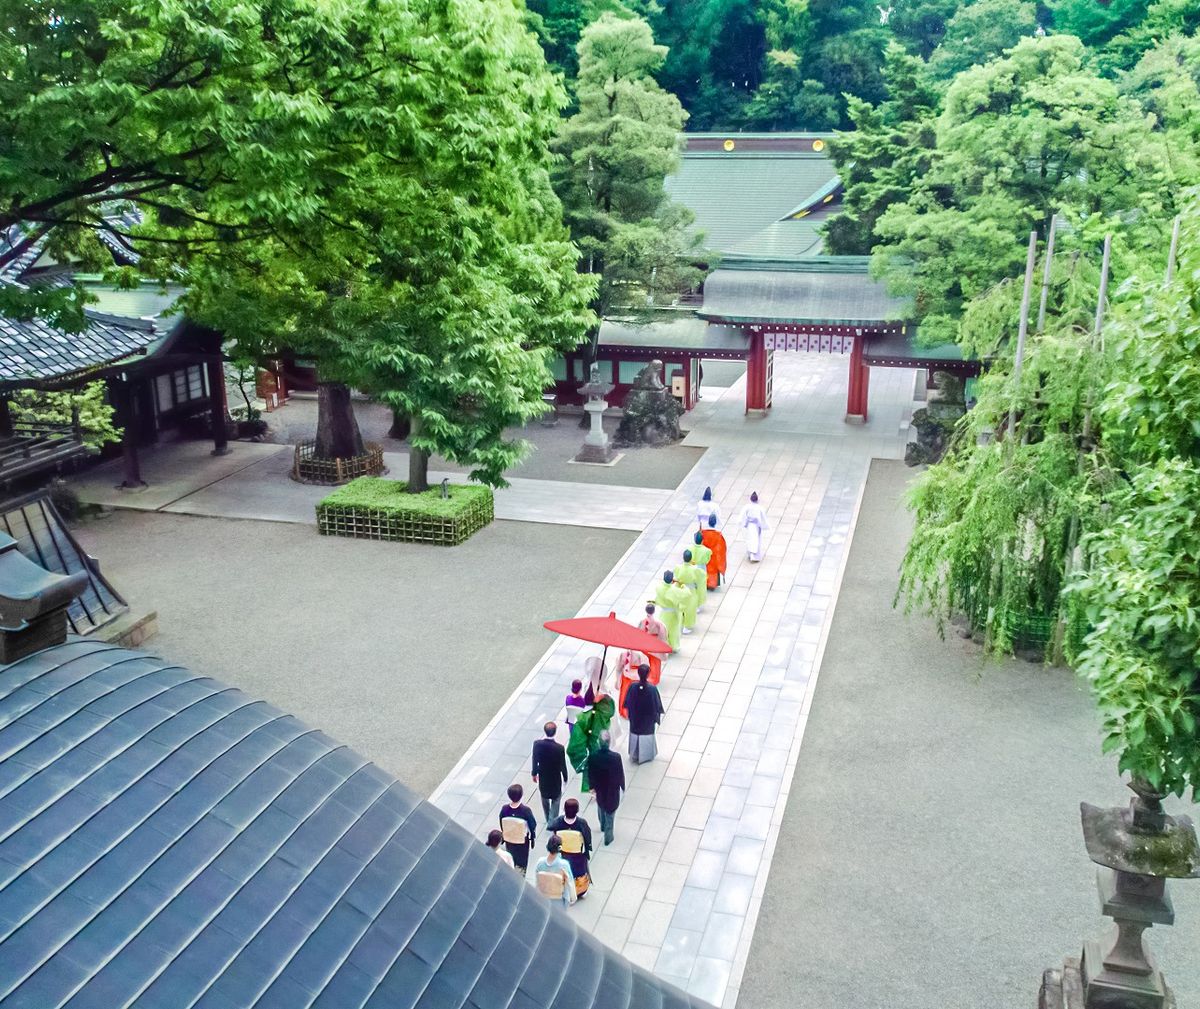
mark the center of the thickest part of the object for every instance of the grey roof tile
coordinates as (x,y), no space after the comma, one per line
(165,840)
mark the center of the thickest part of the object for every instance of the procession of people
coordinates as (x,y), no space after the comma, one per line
(604,718)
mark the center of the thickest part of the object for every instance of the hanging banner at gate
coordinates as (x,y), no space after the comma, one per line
(812,343)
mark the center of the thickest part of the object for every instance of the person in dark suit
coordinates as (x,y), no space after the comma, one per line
(549,771)
(606,774)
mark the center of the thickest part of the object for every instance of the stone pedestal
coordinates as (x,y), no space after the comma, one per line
(1138,849)
(596,448)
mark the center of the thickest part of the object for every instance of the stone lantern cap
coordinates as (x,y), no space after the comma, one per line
(1142,838)
(27,591)
(595,387)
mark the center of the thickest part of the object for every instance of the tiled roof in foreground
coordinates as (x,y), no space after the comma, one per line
(168,841)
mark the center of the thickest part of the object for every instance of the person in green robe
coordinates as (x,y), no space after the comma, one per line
(688,576)
(700,557)
(670,600)
(585,735)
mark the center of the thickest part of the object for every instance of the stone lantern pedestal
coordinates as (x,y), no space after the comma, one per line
(596,447)
(1138,850)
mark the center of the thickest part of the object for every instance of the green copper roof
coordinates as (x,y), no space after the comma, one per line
(825,296)
(146,301)
(782,241)
(735,195)
(685,333)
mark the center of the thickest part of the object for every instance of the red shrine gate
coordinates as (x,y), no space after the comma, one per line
(766,339)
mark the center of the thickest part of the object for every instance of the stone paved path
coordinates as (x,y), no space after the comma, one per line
(680,888)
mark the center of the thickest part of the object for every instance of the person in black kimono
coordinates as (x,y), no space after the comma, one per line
(606,775)
(576,837)
(518,827)
(645,708)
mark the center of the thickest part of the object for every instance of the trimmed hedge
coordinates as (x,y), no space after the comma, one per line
(376,509)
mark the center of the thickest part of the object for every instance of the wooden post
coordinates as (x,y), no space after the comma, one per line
(1174,250)
(1022,330)
(756,374)
(6,422)
(1041,322)
(216,405)
(856,399)
(130,433)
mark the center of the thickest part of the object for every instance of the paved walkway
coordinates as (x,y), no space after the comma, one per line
(252,482)
(679,890)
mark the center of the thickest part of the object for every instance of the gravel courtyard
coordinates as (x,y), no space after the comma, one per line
(402,651)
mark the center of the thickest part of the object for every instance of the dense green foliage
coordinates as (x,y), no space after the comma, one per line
(391,496)
(441,277)
(1079,532)
(617,151)
(85,407)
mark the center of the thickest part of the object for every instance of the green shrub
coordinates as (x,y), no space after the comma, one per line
(373,508)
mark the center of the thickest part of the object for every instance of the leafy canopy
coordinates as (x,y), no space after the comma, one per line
(617,150)
(1019,139)
(441,277)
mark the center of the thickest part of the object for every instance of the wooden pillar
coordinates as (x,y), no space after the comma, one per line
(130,433)
(216,405)
(6,421)
(756,374)
(856,392)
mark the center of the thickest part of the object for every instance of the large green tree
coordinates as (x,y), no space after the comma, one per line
(441,276)
(882,158)
(982,31)
(617,151)
(223,122)
(1019,139)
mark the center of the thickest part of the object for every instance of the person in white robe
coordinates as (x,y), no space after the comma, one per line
(706,507)
(754,521)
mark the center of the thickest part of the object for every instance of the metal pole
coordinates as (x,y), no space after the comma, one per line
(1023,330)
(1041,323)
(1174,250)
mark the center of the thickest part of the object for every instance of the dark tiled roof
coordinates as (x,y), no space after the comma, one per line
(43,537)
(33,350)
(167,841)
(835,290)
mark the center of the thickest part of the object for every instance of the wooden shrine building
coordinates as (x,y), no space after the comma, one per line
(759,200)
(161,371)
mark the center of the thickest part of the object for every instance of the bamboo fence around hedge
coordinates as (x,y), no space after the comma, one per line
(406,525)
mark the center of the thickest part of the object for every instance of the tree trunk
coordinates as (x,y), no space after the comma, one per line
(338,436)
(401,425)
(418,462)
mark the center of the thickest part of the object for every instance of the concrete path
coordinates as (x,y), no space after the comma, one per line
(252,482)
(680,889)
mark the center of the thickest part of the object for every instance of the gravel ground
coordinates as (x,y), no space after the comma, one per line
(553,447)
(403,651)
(930,853)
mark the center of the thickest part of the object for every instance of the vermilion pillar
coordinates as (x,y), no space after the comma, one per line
(858,385)
(758,367)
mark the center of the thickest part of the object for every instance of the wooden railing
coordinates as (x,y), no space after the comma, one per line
(33,447)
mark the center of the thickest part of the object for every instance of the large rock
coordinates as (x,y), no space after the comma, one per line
(651,413)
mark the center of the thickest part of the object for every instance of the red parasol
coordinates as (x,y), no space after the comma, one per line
(610,632)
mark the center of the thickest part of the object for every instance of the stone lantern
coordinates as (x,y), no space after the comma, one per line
(596,448)
(1138,850)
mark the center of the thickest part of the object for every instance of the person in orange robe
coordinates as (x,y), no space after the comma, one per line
(716,543)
